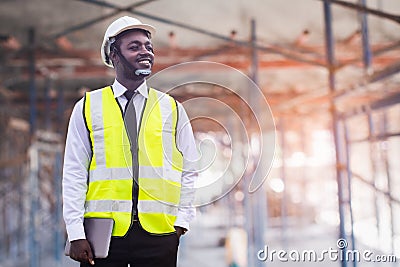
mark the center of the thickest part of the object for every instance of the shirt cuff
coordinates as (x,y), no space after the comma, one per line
(75,232)
(181,223)
(183,218)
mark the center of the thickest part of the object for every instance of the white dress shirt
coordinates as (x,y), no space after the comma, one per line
(78,154)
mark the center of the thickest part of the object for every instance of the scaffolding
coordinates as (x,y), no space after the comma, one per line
(365,139)
(364,147)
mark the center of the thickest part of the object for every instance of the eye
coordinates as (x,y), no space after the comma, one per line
(149,48)
(133,47)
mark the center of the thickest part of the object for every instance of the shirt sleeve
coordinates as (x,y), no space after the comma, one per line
(77,156)
(186,144)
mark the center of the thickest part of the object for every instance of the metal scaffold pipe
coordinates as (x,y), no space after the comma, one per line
(258,206)
(349,185)
(32,80)
(362,8)
(367,54)
(330,57)
(33,209)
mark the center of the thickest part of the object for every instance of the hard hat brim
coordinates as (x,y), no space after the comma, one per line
(145,27)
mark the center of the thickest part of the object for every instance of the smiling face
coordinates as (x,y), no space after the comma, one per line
(135,52)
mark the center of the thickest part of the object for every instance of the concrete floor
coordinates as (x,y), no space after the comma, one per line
(203,247)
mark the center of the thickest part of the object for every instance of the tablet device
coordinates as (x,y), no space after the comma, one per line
(98,233)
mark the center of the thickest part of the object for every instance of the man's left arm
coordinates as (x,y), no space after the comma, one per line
(186,144)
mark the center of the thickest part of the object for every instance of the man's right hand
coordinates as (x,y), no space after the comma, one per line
(81,251)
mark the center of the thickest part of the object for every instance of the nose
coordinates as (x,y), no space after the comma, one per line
(145,50)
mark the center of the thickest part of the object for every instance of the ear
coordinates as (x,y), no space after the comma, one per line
(114,57)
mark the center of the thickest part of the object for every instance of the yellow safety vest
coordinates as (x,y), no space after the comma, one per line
(160,163)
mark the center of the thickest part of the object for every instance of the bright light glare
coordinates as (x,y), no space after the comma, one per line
(239,196)
(328,217)
(297,159)
(277,185)
(323,152)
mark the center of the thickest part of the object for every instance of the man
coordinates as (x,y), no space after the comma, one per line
(129,156)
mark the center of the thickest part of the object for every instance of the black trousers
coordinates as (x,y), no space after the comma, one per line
(140,249)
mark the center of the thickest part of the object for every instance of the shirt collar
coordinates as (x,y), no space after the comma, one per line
(119,89)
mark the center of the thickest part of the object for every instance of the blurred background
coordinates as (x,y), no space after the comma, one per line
(327,142)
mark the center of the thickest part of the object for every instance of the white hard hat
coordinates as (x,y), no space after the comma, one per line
(116,27)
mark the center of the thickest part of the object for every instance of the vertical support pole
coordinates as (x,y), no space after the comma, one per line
(248,200)
(6,211)
(349,178)
(3,232)
(34,194)
(329,42)
(254,55)
(249,225)
(367,55)
(60,109)
(21,220)
(259,204)
(33,176)
(47,103)
(58,237)
(32,80)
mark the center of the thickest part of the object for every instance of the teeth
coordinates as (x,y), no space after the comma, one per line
(144,61)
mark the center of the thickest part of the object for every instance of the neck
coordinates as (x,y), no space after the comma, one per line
(130,84)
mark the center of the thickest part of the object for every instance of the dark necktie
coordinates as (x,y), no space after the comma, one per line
(129,93)
(131,124)
(131,129)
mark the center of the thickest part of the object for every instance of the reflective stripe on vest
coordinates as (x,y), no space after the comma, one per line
(145,172)
(110,174)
